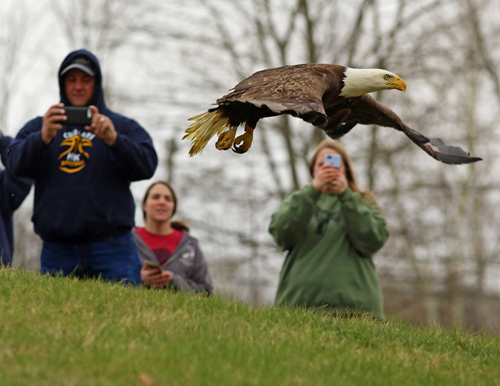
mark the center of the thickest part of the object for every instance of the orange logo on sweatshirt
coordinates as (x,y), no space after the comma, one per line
(73,159)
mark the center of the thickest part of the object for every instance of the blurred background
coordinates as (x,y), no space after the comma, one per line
(165,61)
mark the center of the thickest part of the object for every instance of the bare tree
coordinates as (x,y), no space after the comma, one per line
(422,199)
(18,32)
(179,57)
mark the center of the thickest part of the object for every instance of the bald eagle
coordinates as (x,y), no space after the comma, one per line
(331,97)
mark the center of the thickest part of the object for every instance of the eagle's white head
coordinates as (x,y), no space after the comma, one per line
(363,81)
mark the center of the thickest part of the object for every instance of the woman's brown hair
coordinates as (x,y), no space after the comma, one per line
(179,225)
(368,196)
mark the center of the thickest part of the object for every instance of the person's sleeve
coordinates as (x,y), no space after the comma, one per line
(144,252)
(13,190)
(199,280)
(290,222)
(4,144)
(134,152)
(25,152)
(366,226)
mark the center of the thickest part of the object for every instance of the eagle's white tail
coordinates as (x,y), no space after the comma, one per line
(204,127)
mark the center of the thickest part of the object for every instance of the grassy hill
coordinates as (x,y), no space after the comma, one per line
(61,331)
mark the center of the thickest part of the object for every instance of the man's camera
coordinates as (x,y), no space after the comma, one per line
(77,116)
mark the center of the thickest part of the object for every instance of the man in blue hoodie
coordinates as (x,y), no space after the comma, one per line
(84,210)
(13,191)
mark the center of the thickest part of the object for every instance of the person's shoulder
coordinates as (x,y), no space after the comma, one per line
(5,140)
(186,236)
(122,120)
(140,234)
(138,230)
(188,239)
(33,124)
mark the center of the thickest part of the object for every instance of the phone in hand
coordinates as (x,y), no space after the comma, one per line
(333,159)
(154,265)
(77,116)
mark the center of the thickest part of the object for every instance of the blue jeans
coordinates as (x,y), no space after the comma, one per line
(114,259)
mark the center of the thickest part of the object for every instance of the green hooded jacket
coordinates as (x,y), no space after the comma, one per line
(330,241)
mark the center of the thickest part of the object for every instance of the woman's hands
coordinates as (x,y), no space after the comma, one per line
(329,180)
(152,277)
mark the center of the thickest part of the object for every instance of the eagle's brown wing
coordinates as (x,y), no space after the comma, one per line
(296,90)
(366,110)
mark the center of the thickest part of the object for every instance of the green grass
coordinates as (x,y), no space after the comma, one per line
(61,331)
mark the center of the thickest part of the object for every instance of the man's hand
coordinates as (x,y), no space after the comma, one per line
(102,127)
(152,277)
(330,180)
(49,127)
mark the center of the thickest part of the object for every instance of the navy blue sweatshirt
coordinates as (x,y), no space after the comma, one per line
(82,185)
(13,191)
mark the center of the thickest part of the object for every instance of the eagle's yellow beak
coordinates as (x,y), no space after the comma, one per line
(398,83)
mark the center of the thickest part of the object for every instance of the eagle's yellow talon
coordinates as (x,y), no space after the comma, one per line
(246,142)
(225,140)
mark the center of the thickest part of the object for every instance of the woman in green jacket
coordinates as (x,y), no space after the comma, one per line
(331,229)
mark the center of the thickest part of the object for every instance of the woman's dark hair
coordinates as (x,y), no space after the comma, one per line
(179,225)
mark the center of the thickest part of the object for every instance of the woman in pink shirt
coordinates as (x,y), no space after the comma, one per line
(171,257)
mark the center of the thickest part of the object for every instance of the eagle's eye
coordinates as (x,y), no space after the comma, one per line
(387,76)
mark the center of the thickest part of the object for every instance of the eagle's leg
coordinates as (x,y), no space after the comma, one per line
(226,139)
(334,121)
(245,139)
(337,125)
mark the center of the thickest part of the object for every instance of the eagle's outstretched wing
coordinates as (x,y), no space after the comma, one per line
(295,90)
(366,110)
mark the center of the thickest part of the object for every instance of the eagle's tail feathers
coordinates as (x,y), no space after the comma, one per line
(203,128)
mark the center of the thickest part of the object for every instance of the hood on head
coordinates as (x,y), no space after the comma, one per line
(98,97)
